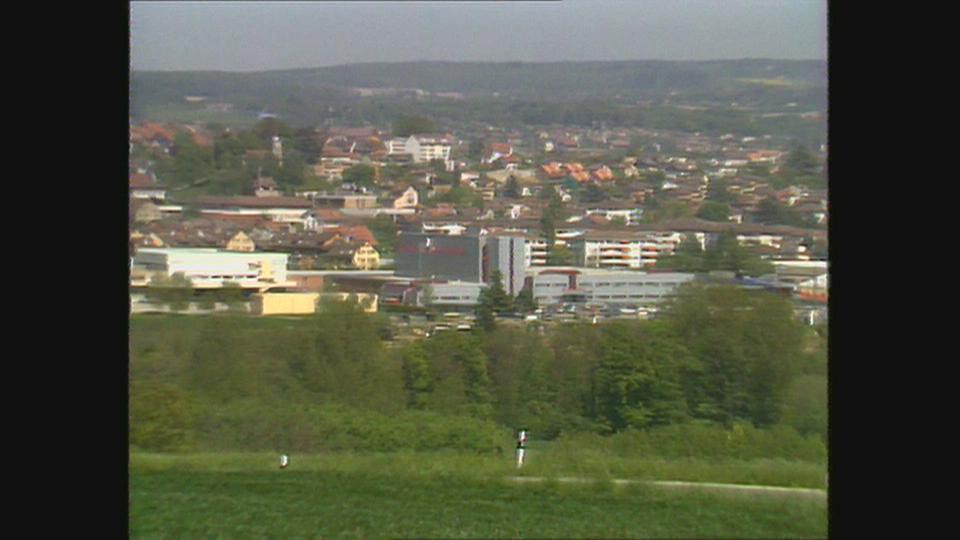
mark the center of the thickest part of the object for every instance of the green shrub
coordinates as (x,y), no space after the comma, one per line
(704,441)
(158,417)
(257,426)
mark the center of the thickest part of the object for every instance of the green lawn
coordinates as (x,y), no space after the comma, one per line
(247,495)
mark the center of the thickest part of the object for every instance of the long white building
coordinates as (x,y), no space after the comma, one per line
(591,286)
(210,268)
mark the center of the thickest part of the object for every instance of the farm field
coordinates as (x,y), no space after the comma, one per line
(424,495)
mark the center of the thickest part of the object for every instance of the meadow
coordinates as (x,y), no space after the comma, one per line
(444,495)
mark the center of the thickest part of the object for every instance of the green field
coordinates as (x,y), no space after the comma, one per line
(429,496)
(193,114)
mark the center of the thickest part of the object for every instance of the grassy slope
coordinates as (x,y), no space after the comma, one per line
(541,462)
(248,496)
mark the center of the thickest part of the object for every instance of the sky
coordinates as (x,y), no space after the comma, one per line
(258,36)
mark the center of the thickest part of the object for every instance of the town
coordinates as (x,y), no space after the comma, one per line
(480,270)
(416,220)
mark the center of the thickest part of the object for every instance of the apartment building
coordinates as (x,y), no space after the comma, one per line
(425,148)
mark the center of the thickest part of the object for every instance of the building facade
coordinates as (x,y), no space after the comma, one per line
(470,258)
(211,268)
(587,286)
(425,148)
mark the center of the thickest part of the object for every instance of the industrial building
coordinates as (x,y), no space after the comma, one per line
(460,296)
(469,258)
(594,286)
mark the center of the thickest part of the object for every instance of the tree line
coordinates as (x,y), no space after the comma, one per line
(718,356)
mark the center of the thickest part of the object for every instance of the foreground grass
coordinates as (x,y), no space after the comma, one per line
(403,496)
(541,462)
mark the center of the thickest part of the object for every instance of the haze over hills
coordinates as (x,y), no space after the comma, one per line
(555,80)
(510,90)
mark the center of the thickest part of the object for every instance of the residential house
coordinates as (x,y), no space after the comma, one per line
(497,151)
(407,198)
(148,239)
(357,233)
(144,211)
(601,173)
(144,186)
(153,135)
(265,187)
(627,212)
(553,170)
(366,257)
(468,177)
(241,242)
(350,254)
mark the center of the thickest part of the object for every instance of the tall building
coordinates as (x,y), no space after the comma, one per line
(468,257)
(507,254)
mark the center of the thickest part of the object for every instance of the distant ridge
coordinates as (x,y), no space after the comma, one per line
(503,92)
(525,77)
(477,63)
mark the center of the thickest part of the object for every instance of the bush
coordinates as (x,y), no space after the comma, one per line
(254,426)
(704,441)
(158,417)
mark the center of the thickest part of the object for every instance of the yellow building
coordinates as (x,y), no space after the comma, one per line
(284,303)
(241,242)
(305,303)
(366,257)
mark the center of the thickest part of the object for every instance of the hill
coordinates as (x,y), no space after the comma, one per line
(753,84)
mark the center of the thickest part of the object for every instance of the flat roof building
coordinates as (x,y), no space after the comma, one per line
(581,285)
(211,268)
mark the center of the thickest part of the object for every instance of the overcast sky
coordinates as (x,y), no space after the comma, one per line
(253,36)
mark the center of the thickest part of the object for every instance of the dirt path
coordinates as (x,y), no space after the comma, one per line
(704,486)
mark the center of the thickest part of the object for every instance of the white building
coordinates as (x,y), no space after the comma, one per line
(535,246)
(283,209)
(614,249)
(629,215)
(396,145)
(209,268)
(408,199)
(580,285)
(425,148)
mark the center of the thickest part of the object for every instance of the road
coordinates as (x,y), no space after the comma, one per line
(704,486)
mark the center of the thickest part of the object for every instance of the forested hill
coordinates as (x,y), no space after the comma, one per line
(748,80)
